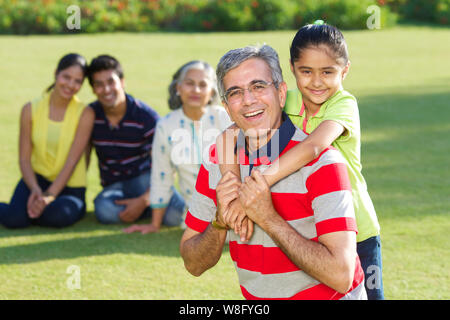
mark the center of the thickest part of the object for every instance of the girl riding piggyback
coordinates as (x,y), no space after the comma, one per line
(329,115)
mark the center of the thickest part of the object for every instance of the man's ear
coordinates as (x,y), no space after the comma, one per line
(292,67)
(225,105)
(282,93)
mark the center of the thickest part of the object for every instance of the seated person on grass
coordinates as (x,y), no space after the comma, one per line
(122,137)
(182,137)
(54,131)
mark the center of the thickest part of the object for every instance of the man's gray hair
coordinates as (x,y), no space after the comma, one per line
(235,57)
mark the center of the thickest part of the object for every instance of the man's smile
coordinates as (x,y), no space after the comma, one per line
(253,114)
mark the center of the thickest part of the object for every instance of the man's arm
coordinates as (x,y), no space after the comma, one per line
(331,260)
(201,251)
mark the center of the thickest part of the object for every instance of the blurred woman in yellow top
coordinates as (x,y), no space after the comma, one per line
(54,132)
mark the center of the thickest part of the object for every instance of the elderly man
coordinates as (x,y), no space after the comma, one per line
(304,240)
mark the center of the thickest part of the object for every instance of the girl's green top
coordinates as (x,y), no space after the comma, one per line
(343,109)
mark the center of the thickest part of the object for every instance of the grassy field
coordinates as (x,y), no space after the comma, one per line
(401,78)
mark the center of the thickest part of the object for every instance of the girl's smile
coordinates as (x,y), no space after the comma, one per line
(319,76)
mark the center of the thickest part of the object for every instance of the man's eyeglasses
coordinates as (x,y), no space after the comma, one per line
(236,95)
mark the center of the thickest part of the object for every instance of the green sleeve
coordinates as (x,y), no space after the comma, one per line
(343,109)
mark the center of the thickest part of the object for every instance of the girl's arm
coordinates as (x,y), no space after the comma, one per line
(77,149)
(87,154)
(225,144)
(25,150)
(304,152)
(35,202)
(234,215)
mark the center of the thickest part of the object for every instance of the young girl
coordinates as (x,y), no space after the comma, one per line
(329,114)
(54,131)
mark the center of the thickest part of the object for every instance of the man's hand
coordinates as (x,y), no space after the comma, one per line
(256,198)
(134,207)
(142,228)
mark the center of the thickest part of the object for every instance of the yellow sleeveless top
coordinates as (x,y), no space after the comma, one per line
(50,166)
(53,133)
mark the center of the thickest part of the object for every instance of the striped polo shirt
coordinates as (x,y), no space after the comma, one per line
(314,200)
(123,151)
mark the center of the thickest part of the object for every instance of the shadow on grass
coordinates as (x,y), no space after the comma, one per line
(404,152)
(406,107)
(88,224)
(97,240)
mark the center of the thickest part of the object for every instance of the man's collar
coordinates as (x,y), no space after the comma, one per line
(271,150)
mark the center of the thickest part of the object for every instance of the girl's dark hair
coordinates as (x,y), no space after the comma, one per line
(69,60)
(315,35)
(104,62)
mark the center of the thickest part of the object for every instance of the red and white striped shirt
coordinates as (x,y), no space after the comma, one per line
(315,200)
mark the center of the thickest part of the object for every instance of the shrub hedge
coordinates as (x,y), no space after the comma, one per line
(50,16)
(436,11)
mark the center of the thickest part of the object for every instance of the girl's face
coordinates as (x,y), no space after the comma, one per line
(318,75)
(68,81)
(195,90)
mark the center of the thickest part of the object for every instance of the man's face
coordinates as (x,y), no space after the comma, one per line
(108,88)
(255,113)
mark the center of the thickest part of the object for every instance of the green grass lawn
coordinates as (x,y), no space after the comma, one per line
(401,78)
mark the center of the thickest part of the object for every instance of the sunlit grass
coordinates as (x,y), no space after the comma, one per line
(401,78)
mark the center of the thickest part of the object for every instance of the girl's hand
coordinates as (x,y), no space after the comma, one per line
(33,202)
(232,213)
(236,219)
(37,207)
(246,229)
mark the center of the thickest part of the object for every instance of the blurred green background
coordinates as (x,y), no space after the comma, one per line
(50,16)
(401,78)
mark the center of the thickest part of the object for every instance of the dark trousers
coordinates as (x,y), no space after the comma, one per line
(369,252)
(68,208)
